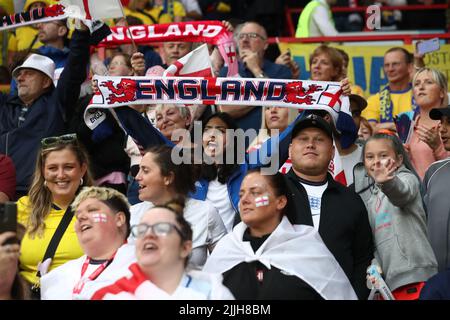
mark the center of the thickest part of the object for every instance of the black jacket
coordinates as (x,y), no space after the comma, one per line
(344,226)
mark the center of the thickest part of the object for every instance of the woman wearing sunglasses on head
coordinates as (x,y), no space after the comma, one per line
(163,245)
(102,227)
(61,168)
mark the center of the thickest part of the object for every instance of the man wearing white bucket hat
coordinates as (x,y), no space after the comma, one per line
(34,78)
(39,109)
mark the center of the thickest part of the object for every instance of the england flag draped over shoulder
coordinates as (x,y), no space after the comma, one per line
(195,64)
(93,9)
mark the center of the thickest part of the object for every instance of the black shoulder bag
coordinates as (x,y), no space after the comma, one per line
(51,249)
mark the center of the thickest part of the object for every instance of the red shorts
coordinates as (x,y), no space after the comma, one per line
(408,292)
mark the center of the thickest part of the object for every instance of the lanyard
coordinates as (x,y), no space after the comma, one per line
(94,275)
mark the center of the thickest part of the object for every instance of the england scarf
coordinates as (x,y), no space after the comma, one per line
(192,31)
(300,94)
(295,249)
(212,32)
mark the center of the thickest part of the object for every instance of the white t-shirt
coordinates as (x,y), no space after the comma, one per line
(315,200)
(59,283)
(207,227)
(218,195)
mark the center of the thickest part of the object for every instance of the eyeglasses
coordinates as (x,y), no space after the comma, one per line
(64,139)
(160,229)
(250,35)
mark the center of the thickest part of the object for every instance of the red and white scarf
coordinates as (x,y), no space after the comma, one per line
(313,95)
(192,31)
(212,32)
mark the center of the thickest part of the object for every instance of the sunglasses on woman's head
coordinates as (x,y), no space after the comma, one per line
(64,139)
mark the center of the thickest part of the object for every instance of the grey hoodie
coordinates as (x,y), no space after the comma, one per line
(398,223)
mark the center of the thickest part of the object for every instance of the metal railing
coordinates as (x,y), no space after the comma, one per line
(290,11)
(406,38)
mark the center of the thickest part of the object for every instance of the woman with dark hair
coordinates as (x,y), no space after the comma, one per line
(390,189)
(102,228)
(161,180)
(224,165)
(61,170)
(163,245)
(223,162)
(266,257)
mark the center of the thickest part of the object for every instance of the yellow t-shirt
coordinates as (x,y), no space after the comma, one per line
(23,38)
(33,250)
(136,14)
(401,101)
(163,18)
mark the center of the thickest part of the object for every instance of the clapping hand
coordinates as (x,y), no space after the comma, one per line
(429,135)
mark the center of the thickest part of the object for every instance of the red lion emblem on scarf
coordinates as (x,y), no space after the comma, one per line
(54,11)
(125,91)
(295,93)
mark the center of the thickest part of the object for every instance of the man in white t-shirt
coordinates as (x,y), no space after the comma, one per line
(316,199)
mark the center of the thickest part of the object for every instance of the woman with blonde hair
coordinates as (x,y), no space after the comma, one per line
(326,64)
(102,227)
(425,145)
(61,169)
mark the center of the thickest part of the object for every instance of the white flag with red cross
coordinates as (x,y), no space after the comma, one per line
(332,97)
(195,64)
(93,9)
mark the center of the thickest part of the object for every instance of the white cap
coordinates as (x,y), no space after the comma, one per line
(37,62)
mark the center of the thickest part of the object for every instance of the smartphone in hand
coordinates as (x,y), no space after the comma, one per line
(8,220)
(427,46)
(288,52)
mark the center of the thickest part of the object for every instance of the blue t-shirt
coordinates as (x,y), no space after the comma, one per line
(273,71)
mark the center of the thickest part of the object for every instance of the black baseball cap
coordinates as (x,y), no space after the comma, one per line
(359,101)
(312,121)
(438,113)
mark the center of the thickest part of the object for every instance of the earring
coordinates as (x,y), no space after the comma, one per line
(45,183)
(81,181)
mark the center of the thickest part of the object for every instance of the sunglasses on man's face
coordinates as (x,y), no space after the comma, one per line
(64,139)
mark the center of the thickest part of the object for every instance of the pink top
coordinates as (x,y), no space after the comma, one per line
(422,156)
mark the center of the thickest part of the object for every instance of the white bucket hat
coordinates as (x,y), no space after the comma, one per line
(37,62)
